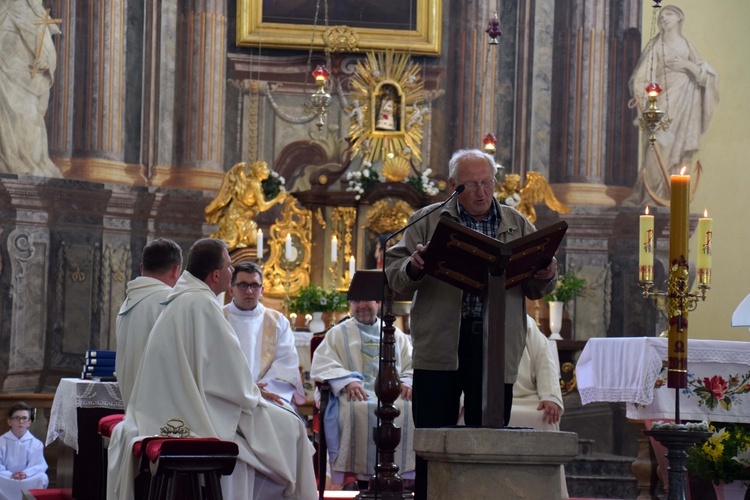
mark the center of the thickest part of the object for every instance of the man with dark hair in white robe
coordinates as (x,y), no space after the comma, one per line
(160,269)
(193,369)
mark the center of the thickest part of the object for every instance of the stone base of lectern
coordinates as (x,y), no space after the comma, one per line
(494,463)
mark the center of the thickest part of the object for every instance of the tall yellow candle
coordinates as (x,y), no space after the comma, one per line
(646,252)
(679,224)
(705,235)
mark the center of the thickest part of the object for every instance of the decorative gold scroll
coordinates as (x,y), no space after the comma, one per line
(278,272)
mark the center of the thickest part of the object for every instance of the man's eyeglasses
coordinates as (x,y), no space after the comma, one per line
(486,185)
(20,419)
(244,286)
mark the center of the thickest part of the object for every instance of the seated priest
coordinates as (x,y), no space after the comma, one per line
(537,399)
(265,337)
(193,369)
(348,360)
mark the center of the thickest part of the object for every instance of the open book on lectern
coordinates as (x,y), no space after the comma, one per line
(462,257)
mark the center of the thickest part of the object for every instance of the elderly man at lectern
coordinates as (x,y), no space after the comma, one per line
(446,323)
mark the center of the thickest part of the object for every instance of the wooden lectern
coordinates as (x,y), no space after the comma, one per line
(483,266)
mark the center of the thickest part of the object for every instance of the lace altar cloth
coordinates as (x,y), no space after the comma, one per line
(73,393)
(633,370)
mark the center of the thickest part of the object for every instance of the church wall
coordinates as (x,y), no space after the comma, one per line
(717,29)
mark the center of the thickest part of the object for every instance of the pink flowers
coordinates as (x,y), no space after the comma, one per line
(716,386)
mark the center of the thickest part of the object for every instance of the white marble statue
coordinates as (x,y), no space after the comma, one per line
(690,94)
(27,68)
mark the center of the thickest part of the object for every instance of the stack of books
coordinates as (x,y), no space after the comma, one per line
(98,365)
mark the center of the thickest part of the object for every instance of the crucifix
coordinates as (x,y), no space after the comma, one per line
(38,54)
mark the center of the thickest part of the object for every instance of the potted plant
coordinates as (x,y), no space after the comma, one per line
(315,300)
(724,459)
(568,287)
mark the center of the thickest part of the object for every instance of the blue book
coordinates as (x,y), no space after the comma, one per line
(100,362)
(99,370)
(100,354)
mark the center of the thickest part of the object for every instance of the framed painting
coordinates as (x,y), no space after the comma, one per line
(401,25)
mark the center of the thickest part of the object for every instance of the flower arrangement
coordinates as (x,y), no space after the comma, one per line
(362,180)
(723,456)
(423,183)
(568,287)
(313,298)
(272,185)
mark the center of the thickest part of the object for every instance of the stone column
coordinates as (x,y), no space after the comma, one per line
(199,114)
(472,67)
(60,112)
(106,91)
(589,107)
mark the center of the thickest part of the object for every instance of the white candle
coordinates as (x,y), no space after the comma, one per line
(288,248)
(334,249)
(352,266)
(259,244)
(705,235)
(646,252)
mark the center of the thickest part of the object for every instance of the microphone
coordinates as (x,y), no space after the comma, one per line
(459,189)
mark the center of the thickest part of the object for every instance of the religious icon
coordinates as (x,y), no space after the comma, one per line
(648,244)
(387,111)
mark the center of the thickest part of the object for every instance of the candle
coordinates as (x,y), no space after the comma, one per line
(259,244)
(334,249)
(679,223)
(288,248)
(352,266)
(646,253)
(705,235)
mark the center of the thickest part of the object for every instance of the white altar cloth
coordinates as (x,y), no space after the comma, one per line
(73,393)
(633,370)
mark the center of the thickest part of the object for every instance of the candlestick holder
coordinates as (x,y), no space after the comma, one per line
(679,299)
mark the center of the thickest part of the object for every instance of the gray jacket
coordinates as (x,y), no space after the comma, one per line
(436,308)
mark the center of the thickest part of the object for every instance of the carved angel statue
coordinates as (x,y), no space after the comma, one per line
(239,201)
(535,191)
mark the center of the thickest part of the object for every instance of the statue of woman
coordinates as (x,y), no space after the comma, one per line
(25,82)
(690,95)
(239,201)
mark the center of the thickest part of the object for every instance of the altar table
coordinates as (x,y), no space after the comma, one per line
(76,410)
(634,370)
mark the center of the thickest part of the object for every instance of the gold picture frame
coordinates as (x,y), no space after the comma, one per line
(286,31)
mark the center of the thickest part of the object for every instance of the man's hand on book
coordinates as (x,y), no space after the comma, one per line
(548,272)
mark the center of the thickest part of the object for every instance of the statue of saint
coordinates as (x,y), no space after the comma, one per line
(690,95)
(387,111)
(27,68)
(239,201)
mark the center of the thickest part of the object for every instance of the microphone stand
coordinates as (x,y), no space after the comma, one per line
(387,482)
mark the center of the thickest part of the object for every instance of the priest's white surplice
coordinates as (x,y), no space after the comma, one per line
(267,341)
(350,351)
(143,304)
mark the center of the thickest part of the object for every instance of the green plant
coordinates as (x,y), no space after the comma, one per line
(722,457)
(272,185)
(568,287)
(313,298)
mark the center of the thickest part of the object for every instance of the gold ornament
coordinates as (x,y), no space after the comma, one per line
(396,169)
(387,114)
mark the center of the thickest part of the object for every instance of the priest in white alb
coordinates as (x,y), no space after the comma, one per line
(265,337)
(348,360)
(193,369)
(160,268)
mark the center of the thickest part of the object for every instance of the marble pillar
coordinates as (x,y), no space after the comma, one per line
(201,84)
(588,108)
(472,69)
(106,91)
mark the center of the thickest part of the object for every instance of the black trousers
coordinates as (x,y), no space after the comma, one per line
(437,396)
